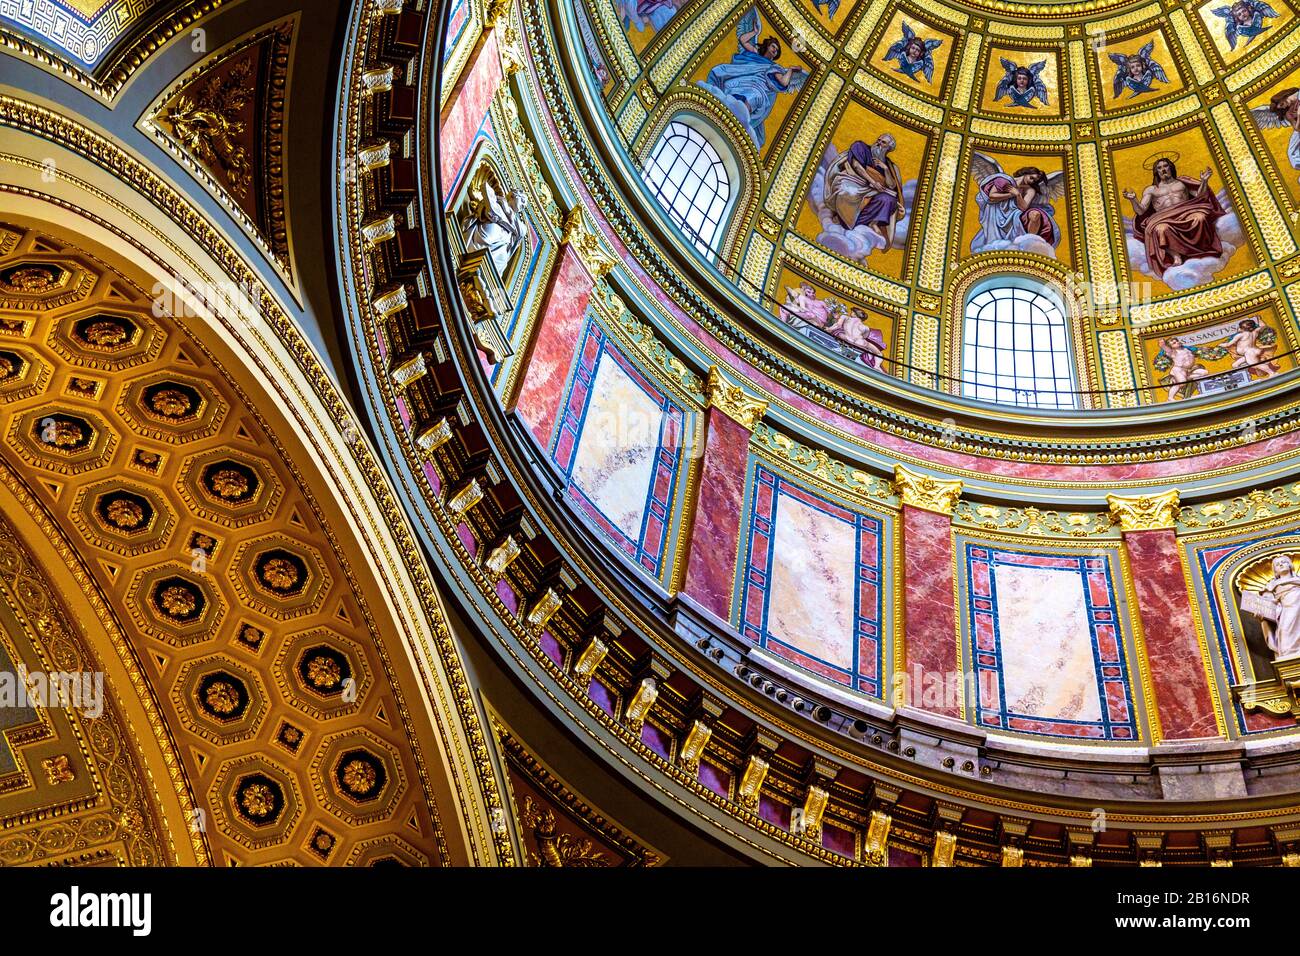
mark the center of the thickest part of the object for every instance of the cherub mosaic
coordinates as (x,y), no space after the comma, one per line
(1015,209)
(1137,73)
(832,324)
(1244,21)
(750,83)
(1021,85)
(1216,359)
(913,54)
(1181,231)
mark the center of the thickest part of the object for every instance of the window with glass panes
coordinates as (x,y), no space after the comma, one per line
(1015,347)
(687,176)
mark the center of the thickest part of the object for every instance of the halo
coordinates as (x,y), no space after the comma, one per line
(1154,158)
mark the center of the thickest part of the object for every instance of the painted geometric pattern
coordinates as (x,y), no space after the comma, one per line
(619,444)
(810,588)
(85,29)
(1047,645)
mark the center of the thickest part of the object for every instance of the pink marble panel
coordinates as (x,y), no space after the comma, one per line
(466,108)
(556,340)
(715,536)
(1173,651)
(930,636)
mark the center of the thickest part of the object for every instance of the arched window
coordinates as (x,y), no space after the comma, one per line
(1016,345)
(688,175)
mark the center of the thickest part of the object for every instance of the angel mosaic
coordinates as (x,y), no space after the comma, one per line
(1137,72)
(1251,346)
(913,54)
(1023,84)
(861,199)
(1015,209)
(751,82)
(1245,18)
(1181,231)
(1282,112)
(643,14)
(833,324)
(832,7)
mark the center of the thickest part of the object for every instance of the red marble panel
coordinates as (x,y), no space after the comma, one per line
(1173,651)
(466,108)
(930,635)
(715,535)
(555,341)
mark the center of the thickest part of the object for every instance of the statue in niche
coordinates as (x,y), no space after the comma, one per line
(1275,601)
(494,218)
(750,83)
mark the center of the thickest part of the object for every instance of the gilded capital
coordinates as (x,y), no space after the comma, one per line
(733,401)
(1145,512)
(575,232)
(924,491)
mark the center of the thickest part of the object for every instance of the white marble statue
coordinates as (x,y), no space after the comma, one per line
(1277,605)
(495,222)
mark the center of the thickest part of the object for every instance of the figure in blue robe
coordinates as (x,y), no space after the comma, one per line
(750,83)
(1137,72)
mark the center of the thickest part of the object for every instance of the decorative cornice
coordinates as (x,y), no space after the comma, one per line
(1145,512)
(733,401)
(924,491)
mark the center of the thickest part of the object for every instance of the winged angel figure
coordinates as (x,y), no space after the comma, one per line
(1245,18)
(1282,112)
(913,54)
(1023,84)
(1016,208)
(750,83)
(1137,72)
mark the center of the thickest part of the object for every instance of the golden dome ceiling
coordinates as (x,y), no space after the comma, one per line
(892,155)
(157,533)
